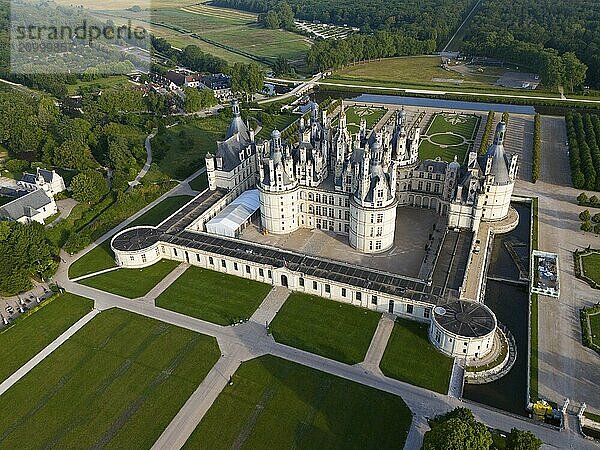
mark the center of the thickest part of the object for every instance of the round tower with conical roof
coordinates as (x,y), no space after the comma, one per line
(278,189)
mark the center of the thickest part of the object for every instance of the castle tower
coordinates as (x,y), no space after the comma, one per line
(373,205)
(499,178)
(278,189)
(209,161)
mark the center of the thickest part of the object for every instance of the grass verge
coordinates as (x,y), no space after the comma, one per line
(274,403)
(213,296)
(121,281)
(161,211)
(99,258)
(118,382)
(328,328)
(29,335)
(411,358)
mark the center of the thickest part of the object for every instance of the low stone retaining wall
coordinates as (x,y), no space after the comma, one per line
(496,372)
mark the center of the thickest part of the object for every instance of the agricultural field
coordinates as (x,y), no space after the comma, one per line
(449,135)
(273,403)
(32,332)
(332,329)
(410,357)
(233,35)
(213,296)
(119,281)
(117,383)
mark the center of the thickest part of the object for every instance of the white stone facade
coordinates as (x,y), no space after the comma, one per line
(351,184)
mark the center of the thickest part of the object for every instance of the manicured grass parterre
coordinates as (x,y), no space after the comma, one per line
(411,358)
(274,403)
(132,283)
(99,258)
(213,296)
(595,328)
(117,383)
(280,123)
(591,266)
(328,328)
(31,333)
(449,135)
(161,211)
(354,114)
(199,183)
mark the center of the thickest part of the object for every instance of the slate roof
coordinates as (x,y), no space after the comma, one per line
(27,205)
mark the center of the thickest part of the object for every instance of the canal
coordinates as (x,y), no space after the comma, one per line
(510,303)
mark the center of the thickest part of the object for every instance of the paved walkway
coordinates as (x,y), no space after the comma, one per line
(270,306)
(379,343)
(22,371)
(144,170)
(165,283)
(65,206)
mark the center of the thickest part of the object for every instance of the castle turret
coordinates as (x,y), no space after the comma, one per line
(209,161)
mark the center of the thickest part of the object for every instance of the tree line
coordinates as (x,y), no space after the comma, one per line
(487,133)
(421,19)
(538,34)
(333,54)
(281,16)
(537,149)
(583,131)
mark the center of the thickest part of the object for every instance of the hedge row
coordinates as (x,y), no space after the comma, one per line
(586,332)
(583,131)
(487,132)
(537,147)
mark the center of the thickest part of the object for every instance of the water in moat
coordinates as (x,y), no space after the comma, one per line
(510,304)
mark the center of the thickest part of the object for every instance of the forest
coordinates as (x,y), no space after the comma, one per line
(535,31)
(421,19)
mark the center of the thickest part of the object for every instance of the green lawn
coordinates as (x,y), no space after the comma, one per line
(427,150)
(99,258)
(213,296)
(132,283)
(591,266)
(444,133)
(113,81)
(462,124)
(102,257)
(595,328)
(280,122)
(117,383)
(411,358)
(332,329)
(275,403)
(180,150)
(161,211)
(199,183)
(23,340)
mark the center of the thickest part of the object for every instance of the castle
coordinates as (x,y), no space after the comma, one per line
(352,184)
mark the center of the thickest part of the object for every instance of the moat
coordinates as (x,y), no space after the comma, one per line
(510,304)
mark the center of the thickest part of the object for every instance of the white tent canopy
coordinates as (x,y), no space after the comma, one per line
(235,215)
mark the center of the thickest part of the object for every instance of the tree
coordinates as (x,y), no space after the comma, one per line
(574,70)
(582,198)
(597,228)
(458,434)
(247,78)
(522,440)
(593,200)
(281,66)
(587,226)
(584,215)
(89,186)
(198,99)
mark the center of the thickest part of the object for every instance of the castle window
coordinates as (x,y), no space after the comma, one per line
(175,251)
(379,231)
(370,245)
(331,200)
(223,263)
(197,257)
(132,258)
(371,231)
(210,260)
(318,198)
(247,269)
(347,215)
(327,288)
(380,193)
(315,285)
(379,218)
(343,292)
(261,272)
(301,281)
(436,188)
(409,309)
(372,218)
(426,313)
(438,336)
(358,296)
(235,266)
(377,245)
(420,186)
(347,228)
(373,299)
(268,274)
